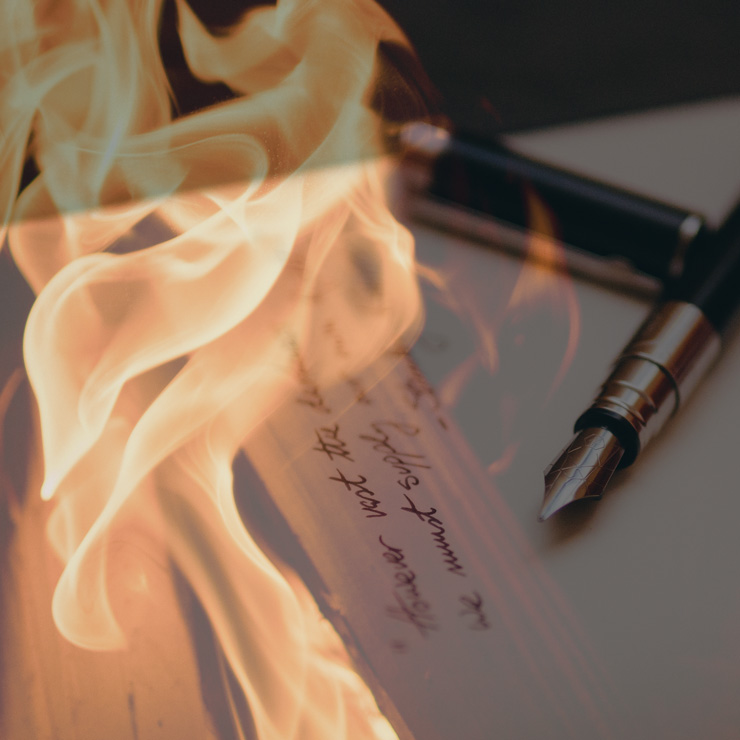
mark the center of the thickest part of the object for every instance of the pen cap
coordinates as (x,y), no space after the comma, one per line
(487,178)
(711,278)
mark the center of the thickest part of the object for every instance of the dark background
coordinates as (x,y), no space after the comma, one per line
(509,65)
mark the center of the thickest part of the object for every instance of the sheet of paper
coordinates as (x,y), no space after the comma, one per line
(425,572)
(414,501)
(423,567)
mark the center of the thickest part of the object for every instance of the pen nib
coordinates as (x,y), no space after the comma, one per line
(582,470)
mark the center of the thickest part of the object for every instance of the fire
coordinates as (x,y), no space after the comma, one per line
(521,318)
(182,266)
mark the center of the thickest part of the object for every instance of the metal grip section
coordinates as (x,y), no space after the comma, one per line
(659,368)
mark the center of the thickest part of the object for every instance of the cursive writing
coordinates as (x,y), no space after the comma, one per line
(369,502)
(438,535)
(419,388)
(310,394)
(473,607)
(406,464)
(410,606)
(331,444)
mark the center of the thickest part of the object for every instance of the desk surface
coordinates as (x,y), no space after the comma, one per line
(526,64)
(650,571)
(621,620)
(617,620)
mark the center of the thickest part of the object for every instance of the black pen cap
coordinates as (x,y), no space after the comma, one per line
(711,278)
(489,179)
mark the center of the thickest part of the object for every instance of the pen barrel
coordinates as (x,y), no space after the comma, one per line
(467,182)
(711,279)
(654,375)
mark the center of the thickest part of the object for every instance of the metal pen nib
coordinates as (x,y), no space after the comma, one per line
(651,378)
(582,470)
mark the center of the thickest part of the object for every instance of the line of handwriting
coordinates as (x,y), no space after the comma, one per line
(310,394)
(410,607)
(340,348)
(439,536)
(473,609)
(331,444)
(368,500)
(407,465)
(419,388)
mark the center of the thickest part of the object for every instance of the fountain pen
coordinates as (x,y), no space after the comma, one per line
(654,374)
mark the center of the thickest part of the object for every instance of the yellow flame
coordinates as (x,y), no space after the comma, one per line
(182,266)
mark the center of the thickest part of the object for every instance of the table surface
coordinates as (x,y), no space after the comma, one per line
(640,629)
(526,64)
(651,570)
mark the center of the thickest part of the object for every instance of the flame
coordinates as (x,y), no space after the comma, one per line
(182,267)
(544,258)
(519,324)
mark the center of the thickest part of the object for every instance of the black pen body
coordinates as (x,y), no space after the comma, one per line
(482,180)
(711,277)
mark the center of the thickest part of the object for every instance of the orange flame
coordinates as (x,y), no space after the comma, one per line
(523,318)
(175,312)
